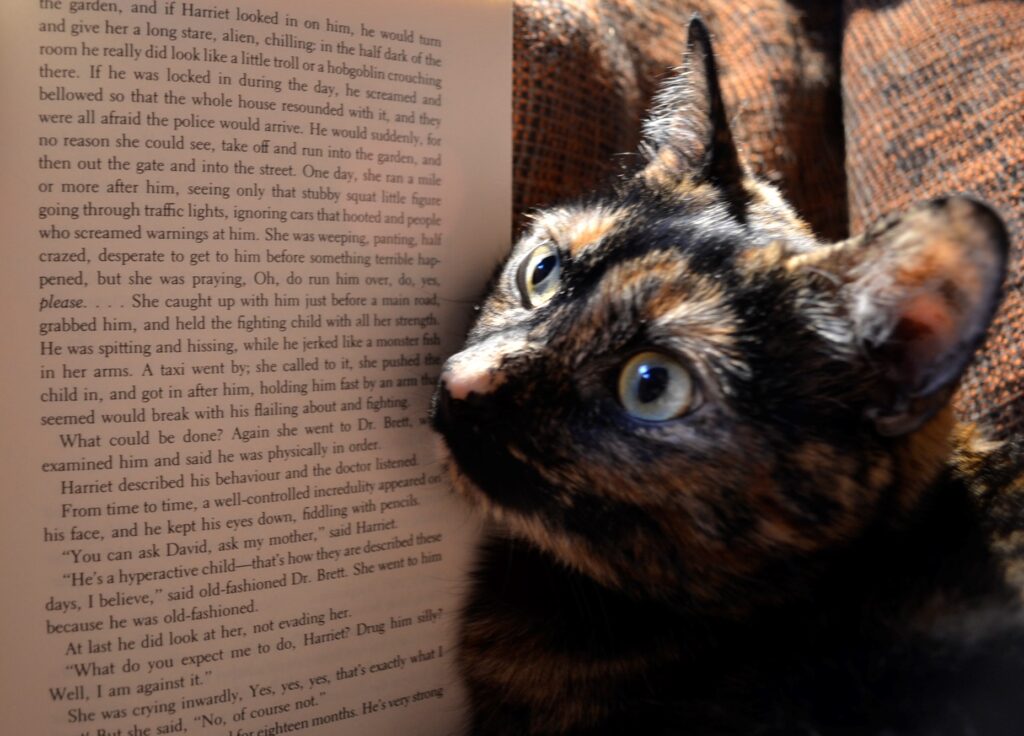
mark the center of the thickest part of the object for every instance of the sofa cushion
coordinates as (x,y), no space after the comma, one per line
(585,71)
(933,104)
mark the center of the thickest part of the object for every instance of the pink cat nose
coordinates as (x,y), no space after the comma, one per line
(472,373)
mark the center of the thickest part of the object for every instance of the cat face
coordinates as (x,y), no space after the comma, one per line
(675,390)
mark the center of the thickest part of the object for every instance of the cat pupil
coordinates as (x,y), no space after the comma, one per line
(653,380)
(537,276)
(542,270)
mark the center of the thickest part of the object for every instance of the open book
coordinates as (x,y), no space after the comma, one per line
(239,240)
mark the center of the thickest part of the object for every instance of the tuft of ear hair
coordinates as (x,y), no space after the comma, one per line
(687,136)
(916,294)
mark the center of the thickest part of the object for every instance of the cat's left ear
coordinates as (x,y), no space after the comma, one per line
(916,295)
(687,135)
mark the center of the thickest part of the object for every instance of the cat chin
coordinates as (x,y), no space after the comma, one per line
(574,552)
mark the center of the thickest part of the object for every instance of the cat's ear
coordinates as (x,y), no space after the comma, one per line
(687,135)
(917,293)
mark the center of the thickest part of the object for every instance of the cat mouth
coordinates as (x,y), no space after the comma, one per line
(480,466)
(461,483)
(475,441)
(526,523)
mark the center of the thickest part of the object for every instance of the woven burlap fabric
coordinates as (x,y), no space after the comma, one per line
(855,108)
(933,104)
(585,71)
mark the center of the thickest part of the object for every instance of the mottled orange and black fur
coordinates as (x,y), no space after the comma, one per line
(806,543)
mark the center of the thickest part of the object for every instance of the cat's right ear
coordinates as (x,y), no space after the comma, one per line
(914,296)
(687,136)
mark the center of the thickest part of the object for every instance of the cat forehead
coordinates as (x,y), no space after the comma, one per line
(639,273)
(577,229)
(587,233)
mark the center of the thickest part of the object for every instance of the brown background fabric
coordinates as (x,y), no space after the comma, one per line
(933,104)
(854,108)
(585,72)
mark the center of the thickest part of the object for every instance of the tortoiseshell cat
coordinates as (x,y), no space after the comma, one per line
(730,495)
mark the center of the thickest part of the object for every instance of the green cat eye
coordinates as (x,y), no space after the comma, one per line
(655,387)
(538,276)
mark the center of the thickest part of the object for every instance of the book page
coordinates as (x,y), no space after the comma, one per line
(240,239)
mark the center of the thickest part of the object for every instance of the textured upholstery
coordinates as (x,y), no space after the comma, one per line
(585,71)
(933,103)
(855,108)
